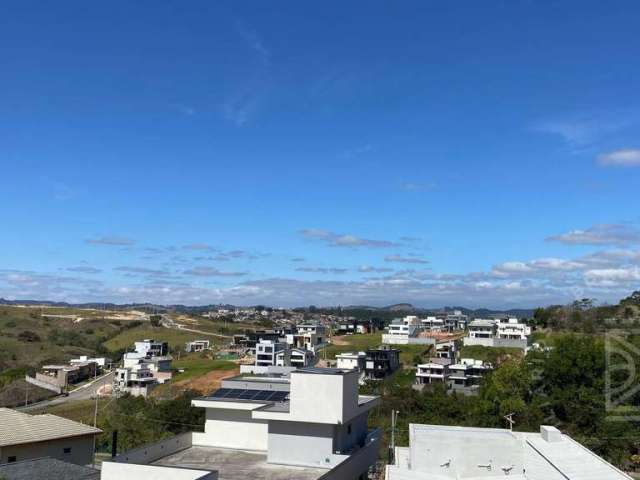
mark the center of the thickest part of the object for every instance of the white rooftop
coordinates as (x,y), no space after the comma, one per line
(17,428)
(463,453)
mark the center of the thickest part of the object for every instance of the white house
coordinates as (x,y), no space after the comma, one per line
(267,352)
(511,329)
(351,360)
(197,346)
(498,333)
(434,371)
(310,426)
(465,453)
(406,331)
(137,380)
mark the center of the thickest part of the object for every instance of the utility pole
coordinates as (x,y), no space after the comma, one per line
(394,419)
(26,395)
(510,420)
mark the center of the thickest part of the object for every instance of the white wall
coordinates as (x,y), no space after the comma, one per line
(81,450)
(299,443)
(323,398)
(232,429)
(120,471)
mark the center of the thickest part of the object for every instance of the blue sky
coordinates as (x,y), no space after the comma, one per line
(467,153)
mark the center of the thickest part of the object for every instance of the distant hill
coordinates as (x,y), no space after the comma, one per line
(398,307)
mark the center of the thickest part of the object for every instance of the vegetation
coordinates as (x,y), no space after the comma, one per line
(564,387)
(138,421)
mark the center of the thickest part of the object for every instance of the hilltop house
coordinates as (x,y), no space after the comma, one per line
(498,333)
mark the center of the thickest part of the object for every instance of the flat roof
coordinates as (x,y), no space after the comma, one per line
(324,371)
(18,428)
(237,464)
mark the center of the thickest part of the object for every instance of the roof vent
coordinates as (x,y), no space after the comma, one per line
(550,434)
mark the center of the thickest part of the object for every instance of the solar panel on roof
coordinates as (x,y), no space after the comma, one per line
(220,392)
(262,395)
(243,394)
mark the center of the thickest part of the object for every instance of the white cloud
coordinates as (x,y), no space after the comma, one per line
(612,277)
(370,269)
(603,234)
(340,240)
(323,270)
(620,158)
(111,240)
(405,259)
(211,272)
(84,269)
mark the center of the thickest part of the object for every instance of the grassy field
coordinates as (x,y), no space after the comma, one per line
(29,339)
(353,343)
(356,343)
(77,410)
(196,366)
(490,354)
(176,338)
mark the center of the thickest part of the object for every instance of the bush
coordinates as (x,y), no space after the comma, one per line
(28,336)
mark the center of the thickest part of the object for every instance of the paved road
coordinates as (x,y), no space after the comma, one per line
(85,392)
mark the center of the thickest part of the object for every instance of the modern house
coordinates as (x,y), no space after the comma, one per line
(456,320)
(407,331)
(63,376)
(294,357)
(434,371)
(25,437)
(446,349)
(465,453)
(350,326)
(351,360)
(267,352)
(197,346)
(152,348)
(102,362)
(466,375)
(381,362)
(153,356)
(432,324)
(137,380)
(498,333)
(308,336)
(312,425)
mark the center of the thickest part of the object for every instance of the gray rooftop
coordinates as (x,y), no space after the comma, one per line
(237,464)
(40,468)
(17,428)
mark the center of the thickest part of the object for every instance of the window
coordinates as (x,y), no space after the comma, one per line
(349,430)
(67,450)
(11,459)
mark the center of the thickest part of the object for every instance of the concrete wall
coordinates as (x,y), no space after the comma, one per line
(59,381)
(298,443)
(400,340)
(152,452)
(43,384)
(351,434)
(356,465)
(496,342)
(226,428)
(120,471)
(323,398)
(81,450)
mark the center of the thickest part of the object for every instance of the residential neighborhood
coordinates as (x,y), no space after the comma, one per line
(330,240)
